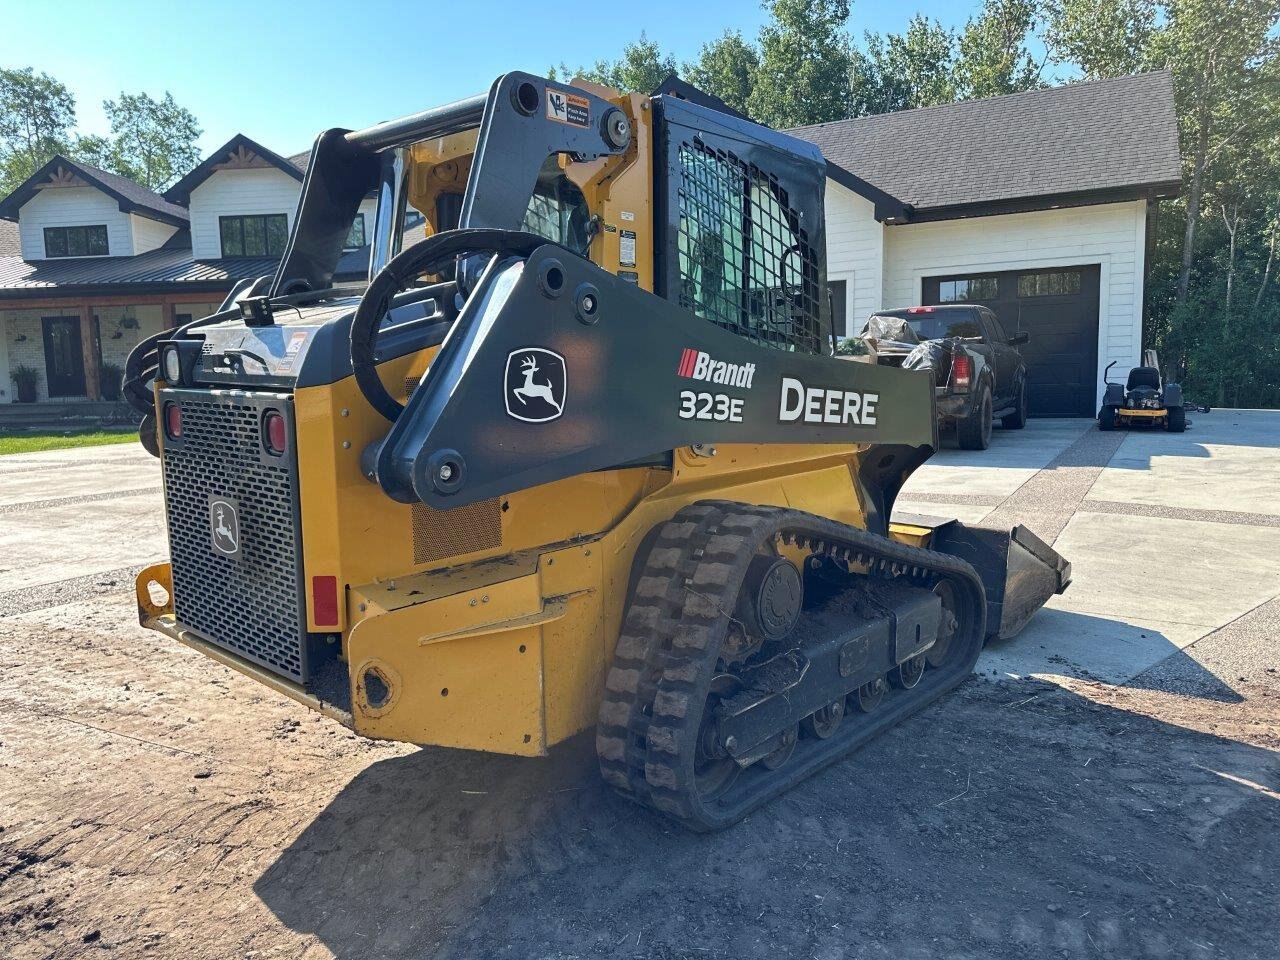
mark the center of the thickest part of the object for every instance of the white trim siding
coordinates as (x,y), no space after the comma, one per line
(855,251)
(73,207)
(897,258)
(232,193)
(149,234)
(1109,235)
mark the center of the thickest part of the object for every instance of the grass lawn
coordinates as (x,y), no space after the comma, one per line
(24,441)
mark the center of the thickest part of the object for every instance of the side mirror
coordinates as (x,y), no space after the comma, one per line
(1018,339)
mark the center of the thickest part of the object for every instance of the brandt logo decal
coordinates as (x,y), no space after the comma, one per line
(696,365)
(224,526)
(535,386)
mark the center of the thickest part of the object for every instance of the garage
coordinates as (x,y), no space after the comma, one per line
(1059,309)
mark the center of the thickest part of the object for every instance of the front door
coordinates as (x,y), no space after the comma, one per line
(63,357)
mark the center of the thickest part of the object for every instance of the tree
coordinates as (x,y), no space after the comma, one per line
(1104,38)
(640,69)
(902,71)
(94,150)
(37,114)
(1225,70)
(726,68)
(154,141)
(993,57)
(805,64)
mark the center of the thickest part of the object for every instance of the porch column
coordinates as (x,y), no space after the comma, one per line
(89,350)
(170,315)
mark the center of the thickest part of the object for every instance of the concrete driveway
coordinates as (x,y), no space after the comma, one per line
(1110,789)
(1171,537)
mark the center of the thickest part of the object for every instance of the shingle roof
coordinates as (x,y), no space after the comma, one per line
(1105,135)
(301,160)
(9,240)
(132,197)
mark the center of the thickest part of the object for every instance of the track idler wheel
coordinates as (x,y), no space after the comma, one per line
(771,597)
(714,770)
(936,655)
(824,721)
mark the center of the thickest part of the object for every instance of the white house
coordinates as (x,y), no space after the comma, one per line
(1040,205)
(91,262)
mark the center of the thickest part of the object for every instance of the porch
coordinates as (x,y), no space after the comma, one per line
(70,353)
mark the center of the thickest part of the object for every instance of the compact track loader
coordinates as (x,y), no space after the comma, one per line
(580,455)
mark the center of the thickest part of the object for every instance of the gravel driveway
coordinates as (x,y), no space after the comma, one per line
(1108,787)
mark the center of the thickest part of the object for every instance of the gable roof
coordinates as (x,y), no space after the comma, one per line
(301,160)
(10,241)
(1082,142)
(131,197)
(239,150)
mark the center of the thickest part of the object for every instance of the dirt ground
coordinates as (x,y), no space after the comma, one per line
(155,804)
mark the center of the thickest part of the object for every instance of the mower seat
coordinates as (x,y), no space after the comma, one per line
(1143,377)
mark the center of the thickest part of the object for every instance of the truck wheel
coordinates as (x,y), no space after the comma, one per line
(974,431)
(1107,418)
(1018,419)
(1176,421)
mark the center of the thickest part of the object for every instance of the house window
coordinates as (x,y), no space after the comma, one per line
(75,241)
(355,238)
(262,235)
(1061,284)
(969,288)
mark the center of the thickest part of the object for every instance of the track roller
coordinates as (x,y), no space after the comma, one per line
(728,653)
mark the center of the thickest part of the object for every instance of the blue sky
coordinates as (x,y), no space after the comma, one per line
(282,72)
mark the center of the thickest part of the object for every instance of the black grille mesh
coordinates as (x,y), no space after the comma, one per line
(249,605)
(745,262)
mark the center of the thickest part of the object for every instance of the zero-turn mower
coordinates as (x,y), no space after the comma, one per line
(1144,400)
(580,455)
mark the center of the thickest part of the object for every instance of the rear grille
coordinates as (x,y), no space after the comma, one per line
(251,604)
(438,534)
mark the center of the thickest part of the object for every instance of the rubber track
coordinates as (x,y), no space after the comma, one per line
(674,626)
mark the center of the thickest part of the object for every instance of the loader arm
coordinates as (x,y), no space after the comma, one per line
(617,376)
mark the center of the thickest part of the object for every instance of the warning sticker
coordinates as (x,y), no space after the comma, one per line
(627,248)
(568,108)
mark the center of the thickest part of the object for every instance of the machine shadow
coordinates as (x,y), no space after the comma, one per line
(1011,820)
(1086,647)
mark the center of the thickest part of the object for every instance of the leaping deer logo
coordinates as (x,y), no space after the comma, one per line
(535,384)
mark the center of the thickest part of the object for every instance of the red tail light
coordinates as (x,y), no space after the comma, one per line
(173,420)
(919,309)
(273,432)
(961,371)
(324,601)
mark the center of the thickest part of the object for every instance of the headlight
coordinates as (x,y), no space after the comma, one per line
(172,365)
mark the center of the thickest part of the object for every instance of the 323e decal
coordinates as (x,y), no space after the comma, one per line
(710,406)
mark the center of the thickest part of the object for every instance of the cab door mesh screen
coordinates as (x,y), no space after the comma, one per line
(745,262)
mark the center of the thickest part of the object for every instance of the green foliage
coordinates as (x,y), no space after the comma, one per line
(640,69)
(1103,38)
(902,71)
(37,114)
(993,57)
(154,141)
(805,64)
(726,68)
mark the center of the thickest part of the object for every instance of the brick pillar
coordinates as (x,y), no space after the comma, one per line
(91,351)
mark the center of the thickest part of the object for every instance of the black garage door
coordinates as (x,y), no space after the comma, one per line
(1059,308)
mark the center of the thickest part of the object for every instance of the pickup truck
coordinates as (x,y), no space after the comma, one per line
(978,372)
